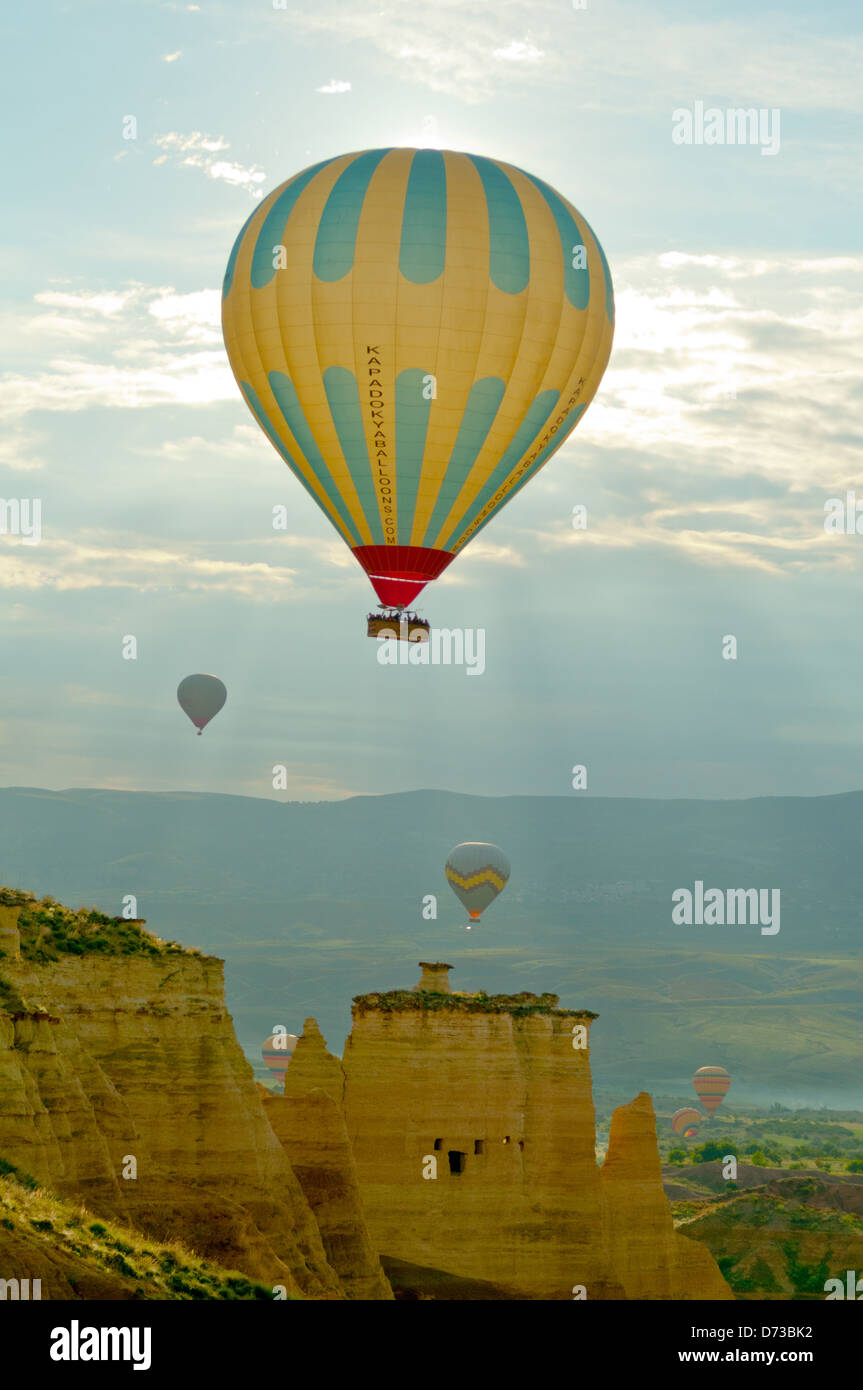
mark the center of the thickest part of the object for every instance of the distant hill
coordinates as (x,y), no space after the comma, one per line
(311,903)
(783,1236)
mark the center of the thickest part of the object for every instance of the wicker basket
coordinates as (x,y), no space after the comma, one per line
(402,629)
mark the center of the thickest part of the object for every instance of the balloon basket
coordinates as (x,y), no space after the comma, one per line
(398,626)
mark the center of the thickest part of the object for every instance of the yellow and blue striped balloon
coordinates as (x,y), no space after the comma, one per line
(417,332)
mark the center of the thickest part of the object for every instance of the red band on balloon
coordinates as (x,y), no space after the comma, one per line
(400,572)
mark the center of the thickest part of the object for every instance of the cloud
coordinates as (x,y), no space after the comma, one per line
(484,553)
(81,564)
(195,316)
(518,52)
(238,176)
(129,348)
(172,57)
(419,48)
(18,452)
(87,695)
(729,413)
(334,86)
(107,304)
(192,145)
(719,375)
(199,151)
(751,61)
(153,377)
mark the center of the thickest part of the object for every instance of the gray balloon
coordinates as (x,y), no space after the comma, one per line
(476,873)
(201,697)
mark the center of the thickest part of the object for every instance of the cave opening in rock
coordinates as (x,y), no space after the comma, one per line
(438,1143)
(479,1146)
(456,1161)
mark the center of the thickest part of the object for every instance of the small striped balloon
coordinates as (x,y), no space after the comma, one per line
(277,1052)
(686,1121)
(711,1086)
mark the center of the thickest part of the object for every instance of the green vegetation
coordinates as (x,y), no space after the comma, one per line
(774,1137)
(11,1001)
(711,1151)
(807,1278)
(26,1180)
(781,1241)
(518,1005)
(159,1271)
(49,930)
(736,1280)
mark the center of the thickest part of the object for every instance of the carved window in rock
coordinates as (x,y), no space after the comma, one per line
(438,1143)
(457,1162)
(479,1146)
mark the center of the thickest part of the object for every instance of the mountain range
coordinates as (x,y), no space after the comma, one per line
(313,902)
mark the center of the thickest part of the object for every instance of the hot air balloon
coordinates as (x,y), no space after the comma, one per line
(277,1052)
(416,331)
(476,873)
(685,1122)
(710,1085)
(201,697)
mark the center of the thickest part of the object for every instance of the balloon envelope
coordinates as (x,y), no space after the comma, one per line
(686,1122)
(201,697)
(476,872)
(711,1085)
(416,332)
(277,1052)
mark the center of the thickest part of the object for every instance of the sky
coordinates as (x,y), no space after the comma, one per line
(728,416)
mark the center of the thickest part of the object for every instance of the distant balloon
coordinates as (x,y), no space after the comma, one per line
(711,1085)
(277,1052)
(685,1122)
(476,873)
(201,697)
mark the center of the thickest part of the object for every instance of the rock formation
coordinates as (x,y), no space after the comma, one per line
(434,979)
(653,1261)
(11,902)
(454,1145)
(309,1121)
(472,1124)
(136,1056)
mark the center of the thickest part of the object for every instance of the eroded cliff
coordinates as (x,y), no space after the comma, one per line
(118,1063)
(653,1260)
(471,1119)
(453,1145)
(309,1121)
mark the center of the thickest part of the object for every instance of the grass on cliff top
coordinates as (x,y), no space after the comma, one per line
(49,930)
(157,1269)
(518,1005)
